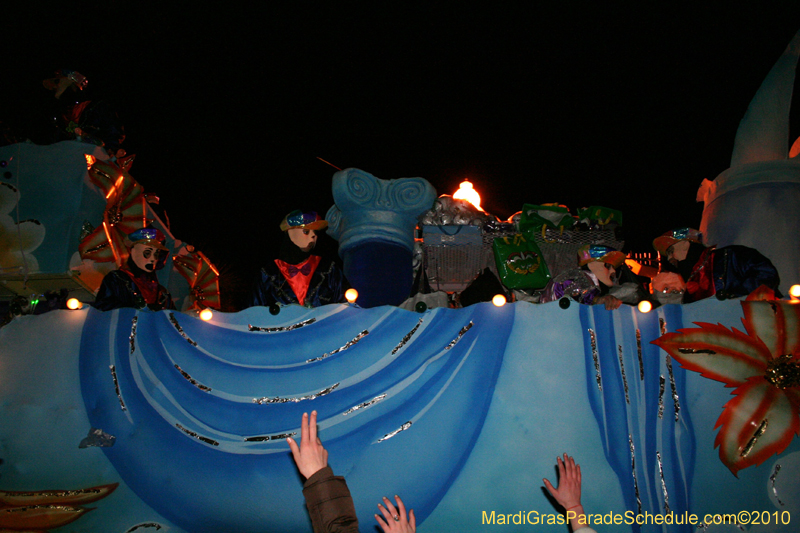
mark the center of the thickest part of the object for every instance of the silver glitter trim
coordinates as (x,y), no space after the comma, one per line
(624,377)
(460,334)
(772,479)
(343,348)
(146,525)
(757,435)
(395,432)
(662,324)
(133,334)
(180,330)
(97,437)
(673,388)
(375,400)
(407,337)
(198,437)
(116,387)
(55,494)
(639,351)
(694,351)
(282,328)
(192,380)
(661,387)
(663,483)
(278,399)
(278,436)
(633,471)
(596,357)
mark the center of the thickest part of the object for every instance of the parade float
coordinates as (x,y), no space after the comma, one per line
(165,421)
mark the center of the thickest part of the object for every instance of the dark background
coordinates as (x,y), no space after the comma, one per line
(625,105)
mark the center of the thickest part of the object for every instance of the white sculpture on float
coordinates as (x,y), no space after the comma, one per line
(755,202)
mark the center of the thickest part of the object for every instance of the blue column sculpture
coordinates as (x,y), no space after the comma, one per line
(374,221)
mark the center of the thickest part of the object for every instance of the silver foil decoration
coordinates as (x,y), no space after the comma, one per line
(99,438)
(278,399)
(97,248)
(596,357)
(133,333)
(633,471)
(343,348)
(639,351)
(693,350)
(407,337)
(198,437)
(624,377)
(662,324)
(757,435)
(661,386)
(674,389)
(460,334)
(147,525)
(180,330)
(86,229)
(663,483)
(192,380)
(282,328)
(375,400)
(116,387)
(395,432)
(278,436)
(772,480)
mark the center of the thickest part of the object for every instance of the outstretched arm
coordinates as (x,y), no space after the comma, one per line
(568,493)
(328,499)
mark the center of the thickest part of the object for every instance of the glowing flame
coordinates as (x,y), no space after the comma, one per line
(645,306)
(74,303)
(466,192)
(206,314)
(499,300)
(351,295)
(90,159)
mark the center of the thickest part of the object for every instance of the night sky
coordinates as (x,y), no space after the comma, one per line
(581,103)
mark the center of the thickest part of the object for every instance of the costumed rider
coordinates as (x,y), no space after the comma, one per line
(136,284)
(297,276)
(591,282)
(698,271)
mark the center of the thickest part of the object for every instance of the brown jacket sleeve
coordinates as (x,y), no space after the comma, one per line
(329,503)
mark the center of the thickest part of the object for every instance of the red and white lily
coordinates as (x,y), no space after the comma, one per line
(764,366)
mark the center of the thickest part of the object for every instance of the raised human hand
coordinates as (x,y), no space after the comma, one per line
(568,493)
(395,520)
(310,456)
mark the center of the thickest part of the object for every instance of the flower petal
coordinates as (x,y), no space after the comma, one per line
(717,353)
(776,323)
(760,421)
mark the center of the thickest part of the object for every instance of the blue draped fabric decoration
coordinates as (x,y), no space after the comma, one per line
(208,406)
(635,392)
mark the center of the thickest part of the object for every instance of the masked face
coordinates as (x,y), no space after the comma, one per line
(605,272)
(305,239)
(145,256)
(677,252)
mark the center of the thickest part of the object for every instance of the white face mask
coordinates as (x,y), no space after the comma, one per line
(305,239)
(144,256)
(606,274)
